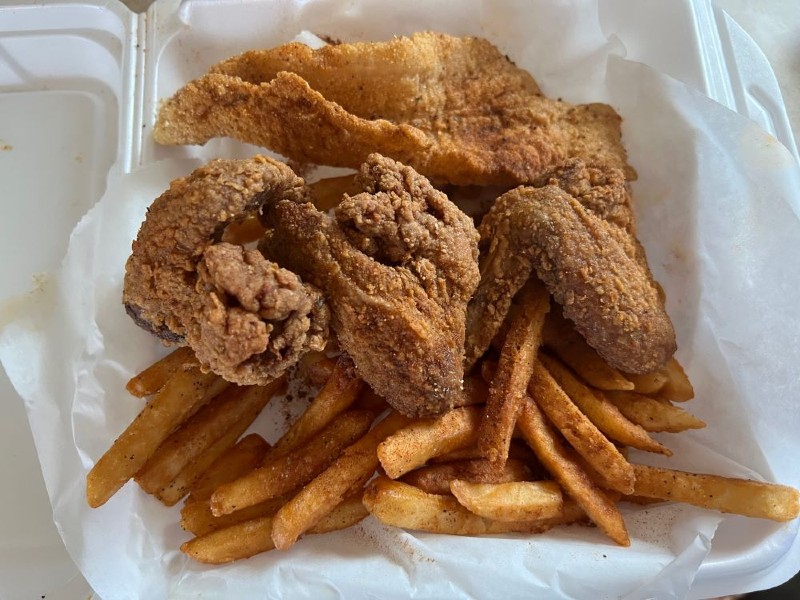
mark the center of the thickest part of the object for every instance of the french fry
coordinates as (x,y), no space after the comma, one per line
(677,388)
(436,479)
(510,501)
(600,411)
(236,542)
(316,367)
(652,414)
(244,231)
(239,460)
(563,466)
(200,432)
(194,470)
(349,512)
(182,484)
(197,518)
(580,432)
(518,450)
(413,445)
(289,471)
(252,537)
(475,391)
(560,336)
(648,383)
(156,375)
(354,466)
(508,386)
(328,192)
(336,396)
(725,494)
(180,397)
(402,505)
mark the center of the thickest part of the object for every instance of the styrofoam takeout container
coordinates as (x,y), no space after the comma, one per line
(79,84)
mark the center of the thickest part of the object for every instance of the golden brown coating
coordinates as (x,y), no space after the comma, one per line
(577,234)
(246,318)
(398,264)
(455,109)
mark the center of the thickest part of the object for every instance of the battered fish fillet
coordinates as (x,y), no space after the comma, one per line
(246,318)
(455,109)
(398,264)
(591,266)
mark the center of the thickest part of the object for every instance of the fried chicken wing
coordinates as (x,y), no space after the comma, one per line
(246,318)
(398,264)
(455,109)
(593,267)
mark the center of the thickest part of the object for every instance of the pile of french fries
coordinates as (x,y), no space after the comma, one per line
(539,439)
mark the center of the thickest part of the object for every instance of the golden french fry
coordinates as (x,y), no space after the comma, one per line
(238,541)
(413,445)
(517,450)
(677,388)
(725,494)
(200,432)
(180,397)
(156,375)
(648,383)
(244,231)
(562,464)
(336,396)
(248,538)
(182,484)
(197,518)
(354,467)
(316,367)
(349,512)
(195,469)
(508,386)
(510,501)
(402,505)
(239,460)
(327,193)
(289,471)
(600,411)
(475,391)
(436,479)
(652,414)
(560,336)
(580,432)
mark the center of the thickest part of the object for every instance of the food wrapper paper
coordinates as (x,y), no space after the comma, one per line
(717,202)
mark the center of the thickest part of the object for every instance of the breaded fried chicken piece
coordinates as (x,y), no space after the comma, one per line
(453,108)
(591,266)
(398,264)
(246,319)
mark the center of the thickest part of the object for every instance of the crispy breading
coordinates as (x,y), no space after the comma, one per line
(246,318)
(398,264)
(454,109)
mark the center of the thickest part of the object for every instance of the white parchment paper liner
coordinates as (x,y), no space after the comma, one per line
(717,201)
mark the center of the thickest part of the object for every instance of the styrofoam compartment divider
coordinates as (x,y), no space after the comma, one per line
(79,87)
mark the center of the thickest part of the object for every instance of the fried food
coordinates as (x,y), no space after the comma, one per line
(564,465)
(725,494)
(435,479)
(589,265)
(245,318)
(509,385)
(454,109)
(398,264)
(402,505)
(182,395)
(511,501)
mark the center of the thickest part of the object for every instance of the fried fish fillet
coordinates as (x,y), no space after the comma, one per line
(454,109)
